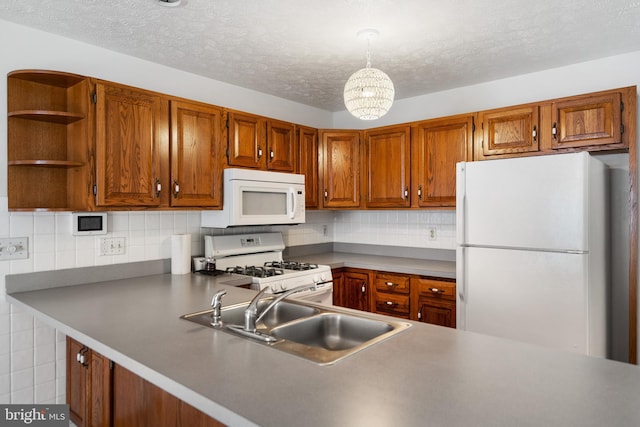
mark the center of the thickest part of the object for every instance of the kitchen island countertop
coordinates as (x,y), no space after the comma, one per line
(425,375)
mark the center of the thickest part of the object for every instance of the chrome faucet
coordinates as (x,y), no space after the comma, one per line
(216,304)
(251,316)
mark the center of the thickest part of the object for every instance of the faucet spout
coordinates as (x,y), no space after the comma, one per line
(251,316)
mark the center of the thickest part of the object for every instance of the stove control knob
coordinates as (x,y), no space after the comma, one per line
(274,288)
(323,277)
(283,287)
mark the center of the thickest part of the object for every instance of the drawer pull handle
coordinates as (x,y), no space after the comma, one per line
(436,290)
(389,302)
(391,284)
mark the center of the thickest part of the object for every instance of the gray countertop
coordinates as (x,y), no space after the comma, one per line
(425,375)
(421,267)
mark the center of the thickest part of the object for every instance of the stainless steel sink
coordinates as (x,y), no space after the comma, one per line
(317,333)
(332,331)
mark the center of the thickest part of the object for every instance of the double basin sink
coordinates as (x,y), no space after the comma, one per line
(317,333)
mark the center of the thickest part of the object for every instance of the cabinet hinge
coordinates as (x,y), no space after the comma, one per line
(94,97)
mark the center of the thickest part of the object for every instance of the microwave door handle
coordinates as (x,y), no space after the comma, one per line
(292,214)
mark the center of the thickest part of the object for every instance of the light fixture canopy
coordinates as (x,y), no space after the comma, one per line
(369,92)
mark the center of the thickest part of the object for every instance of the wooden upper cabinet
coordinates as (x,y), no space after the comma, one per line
(128,127)
(308,161)
(587,120)
(48,141)
(281,146)
(196,166)
(510,130)
(341,169)
(437,145)
(387,167)
(247,141)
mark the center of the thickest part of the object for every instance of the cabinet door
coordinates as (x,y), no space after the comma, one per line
(356,290)
(437,312)
(196,168)
(247,141)
(281,142)
(76,382)
(308,161)
(387,167)
(341,169)
(99,391)
(587,120)
(127,143)
(510,130)
(437,145)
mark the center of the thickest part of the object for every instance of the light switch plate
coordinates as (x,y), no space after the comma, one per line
(112,246)
(12,248)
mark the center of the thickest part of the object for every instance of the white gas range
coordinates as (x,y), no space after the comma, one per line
(259,255)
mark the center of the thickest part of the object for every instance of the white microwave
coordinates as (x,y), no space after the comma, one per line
(254,197)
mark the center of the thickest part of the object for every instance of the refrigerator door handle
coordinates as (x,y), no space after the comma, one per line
(460,203)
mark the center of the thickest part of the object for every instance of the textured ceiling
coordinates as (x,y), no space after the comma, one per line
(305,50)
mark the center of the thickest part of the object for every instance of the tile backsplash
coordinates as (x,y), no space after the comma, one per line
(32,353)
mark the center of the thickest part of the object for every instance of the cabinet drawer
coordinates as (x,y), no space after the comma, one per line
(393,304)
(386,282)
(436,288)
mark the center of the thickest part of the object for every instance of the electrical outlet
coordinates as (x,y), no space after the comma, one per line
(112,246)
(12,248)
(431,232)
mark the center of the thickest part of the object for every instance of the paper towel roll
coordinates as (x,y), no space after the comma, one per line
(181,253)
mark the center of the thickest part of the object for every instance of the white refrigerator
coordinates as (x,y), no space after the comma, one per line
(531,255)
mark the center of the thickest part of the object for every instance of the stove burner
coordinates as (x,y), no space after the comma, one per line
(291,265)
(256,271)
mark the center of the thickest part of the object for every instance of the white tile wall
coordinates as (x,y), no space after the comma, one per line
(396,228)
(32,354)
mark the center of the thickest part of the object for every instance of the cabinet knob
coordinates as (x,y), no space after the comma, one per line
(406,191)
(326,194)
(554,131)
(420,192)
(176,188)
(364,288)
(436,290)
(391,284)
(534,134)
(259,152)
(420,314)
(271,154)
(158,187)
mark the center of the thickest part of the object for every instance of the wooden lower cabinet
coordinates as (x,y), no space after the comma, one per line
(102,394)
(88,386)
(435,301)
(351,288)
(425,299)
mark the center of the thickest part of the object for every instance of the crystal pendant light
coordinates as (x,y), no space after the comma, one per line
(369,92)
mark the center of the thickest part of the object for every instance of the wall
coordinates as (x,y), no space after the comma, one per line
(32,354)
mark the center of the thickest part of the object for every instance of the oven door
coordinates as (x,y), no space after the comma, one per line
(322,295)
